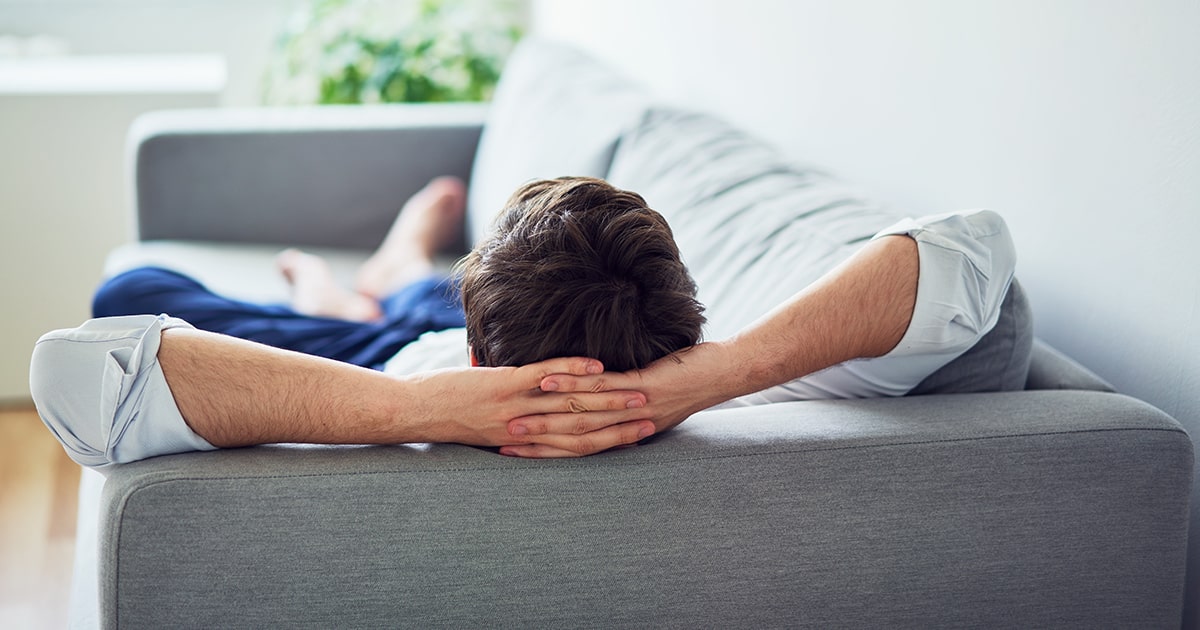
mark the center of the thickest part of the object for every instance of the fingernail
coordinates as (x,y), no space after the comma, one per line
(504,450)
(634,403)
(519,429)
(594,368)
(550,386)
(646,432)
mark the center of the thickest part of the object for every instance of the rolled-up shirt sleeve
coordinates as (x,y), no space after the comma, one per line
(100,390)
(967,262)
(966,266)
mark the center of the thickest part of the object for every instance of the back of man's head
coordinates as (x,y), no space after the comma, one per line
(576,267)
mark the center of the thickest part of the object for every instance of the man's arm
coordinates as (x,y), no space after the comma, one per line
(121,389)
(862,308)
(238,393)
(919,294)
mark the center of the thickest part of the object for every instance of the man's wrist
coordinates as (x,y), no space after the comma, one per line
(756,367)
(409,417)
(730,368)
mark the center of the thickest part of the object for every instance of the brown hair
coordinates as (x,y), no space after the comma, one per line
(577,267)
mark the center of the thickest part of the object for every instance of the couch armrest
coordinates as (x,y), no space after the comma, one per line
(1018,509)
(317,176)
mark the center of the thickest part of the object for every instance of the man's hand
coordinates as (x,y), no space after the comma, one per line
(675,387)
(474,405)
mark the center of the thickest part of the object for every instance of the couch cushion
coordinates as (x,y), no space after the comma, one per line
(556,112)
(237,270)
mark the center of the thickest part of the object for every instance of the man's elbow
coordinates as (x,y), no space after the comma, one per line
(65,385)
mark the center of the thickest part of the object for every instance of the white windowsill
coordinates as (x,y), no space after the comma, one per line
(113,74)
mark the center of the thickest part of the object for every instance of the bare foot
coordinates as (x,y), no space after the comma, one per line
(429,222)
(315,291)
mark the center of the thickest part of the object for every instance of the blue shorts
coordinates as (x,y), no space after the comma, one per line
(424,306)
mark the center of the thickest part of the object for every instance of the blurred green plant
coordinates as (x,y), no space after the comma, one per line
(402,51)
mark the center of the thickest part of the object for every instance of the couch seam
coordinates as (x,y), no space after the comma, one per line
(639,464)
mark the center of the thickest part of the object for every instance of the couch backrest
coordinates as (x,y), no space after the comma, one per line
(311,176)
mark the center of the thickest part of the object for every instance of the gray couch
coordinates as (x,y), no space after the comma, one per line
(1063,505)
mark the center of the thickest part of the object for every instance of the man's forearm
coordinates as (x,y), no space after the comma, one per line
(237,393)
(120,389)
(860,309)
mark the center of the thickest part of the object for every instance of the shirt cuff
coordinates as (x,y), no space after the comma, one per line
(99,388)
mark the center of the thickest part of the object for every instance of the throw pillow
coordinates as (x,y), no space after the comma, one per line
(555,112)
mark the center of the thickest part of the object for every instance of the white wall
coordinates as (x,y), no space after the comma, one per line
(1078,120)
(63,206)
(63,196)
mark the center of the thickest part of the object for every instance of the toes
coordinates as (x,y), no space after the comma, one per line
(287,261)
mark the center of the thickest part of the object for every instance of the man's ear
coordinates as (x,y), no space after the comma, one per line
(471,355)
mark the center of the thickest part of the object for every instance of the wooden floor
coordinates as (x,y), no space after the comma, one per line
(38,493)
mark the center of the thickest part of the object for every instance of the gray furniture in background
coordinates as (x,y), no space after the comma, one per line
(1064,505)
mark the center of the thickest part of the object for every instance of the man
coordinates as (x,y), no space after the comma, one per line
(576,267)
(232,393)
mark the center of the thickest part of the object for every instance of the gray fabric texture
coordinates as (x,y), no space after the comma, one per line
(1034,509)
(1051,369)
(345,175)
